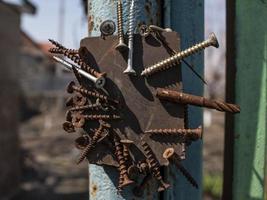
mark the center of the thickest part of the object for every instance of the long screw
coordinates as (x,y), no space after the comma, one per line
(95,138)
(72,87)
(139,190)
(121,45)
(76,59)
(121,160)
(184,98)
(171,156)
(129,69)
(155,167)
(99,82)
(193,134)
(173,60)
(79,120)
(81,109)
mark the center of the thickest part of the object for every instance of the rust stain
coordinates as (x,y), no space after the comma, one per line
(93,190)
(90,23)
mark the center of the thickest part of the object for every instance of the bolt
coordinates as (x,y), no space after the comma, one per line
(192,134)
(99,82)
(103,125)
(171,156)
(121,161)
(107,28)
(72,87)
(155,167)
(139,190)
(129,70)
(79,120)
(68,127)
(176,58)
(121,45)
(184,98)
(82,142)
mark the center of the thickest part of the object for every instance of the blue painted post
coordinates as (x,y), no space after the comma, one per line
(187,18)
(103,179)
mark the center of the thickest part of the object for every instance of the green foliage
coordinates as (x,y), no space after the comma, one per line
(213,185)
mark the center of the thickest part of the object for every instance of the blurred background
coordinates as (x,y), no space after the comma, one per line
(39,160)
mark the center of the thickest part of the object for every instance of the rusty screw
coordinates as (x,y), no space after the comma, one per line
(193,134)
(154,165)
(68,127)
(72,87)
(77,100)
(95,106)
(176,58)
(60,51)
(121,160)
(95,138)
(76,59)
(79,120)
(171,156)
(121,45)
(82,142)
(183,98)
(126,145)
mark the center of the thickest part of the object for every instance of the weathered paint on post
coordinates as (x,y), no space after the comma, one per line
(103,180)
(251,94)
(147,12)
(187,18)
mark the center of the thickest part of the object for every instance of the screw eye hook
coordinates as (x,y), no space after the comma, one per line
(104,108)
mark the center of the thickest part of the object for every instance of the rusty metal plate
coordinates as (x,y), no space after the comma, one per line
(139,107)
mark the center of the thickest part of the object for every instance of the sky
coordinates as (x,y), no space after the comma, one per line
(45,23)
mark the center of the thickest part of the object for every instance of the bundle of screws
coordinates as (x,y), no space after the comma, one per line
(90,107)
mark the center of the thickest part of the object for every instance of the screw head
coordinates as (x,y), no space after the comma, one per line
(213,40)
(168,153)
(82,142)
(79,100)
(107,28)
(68,127)
(78,120)
(70,87)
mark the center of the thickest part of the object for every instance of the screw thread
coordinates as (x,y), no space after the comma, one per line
(119,21)
(226,107)
(91,145)
(61,51)
(154,165)
(121,161)
(76,59)
(103,117)
(57,44)
(85,107)
(193,134)
(173,60)
(131,21)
